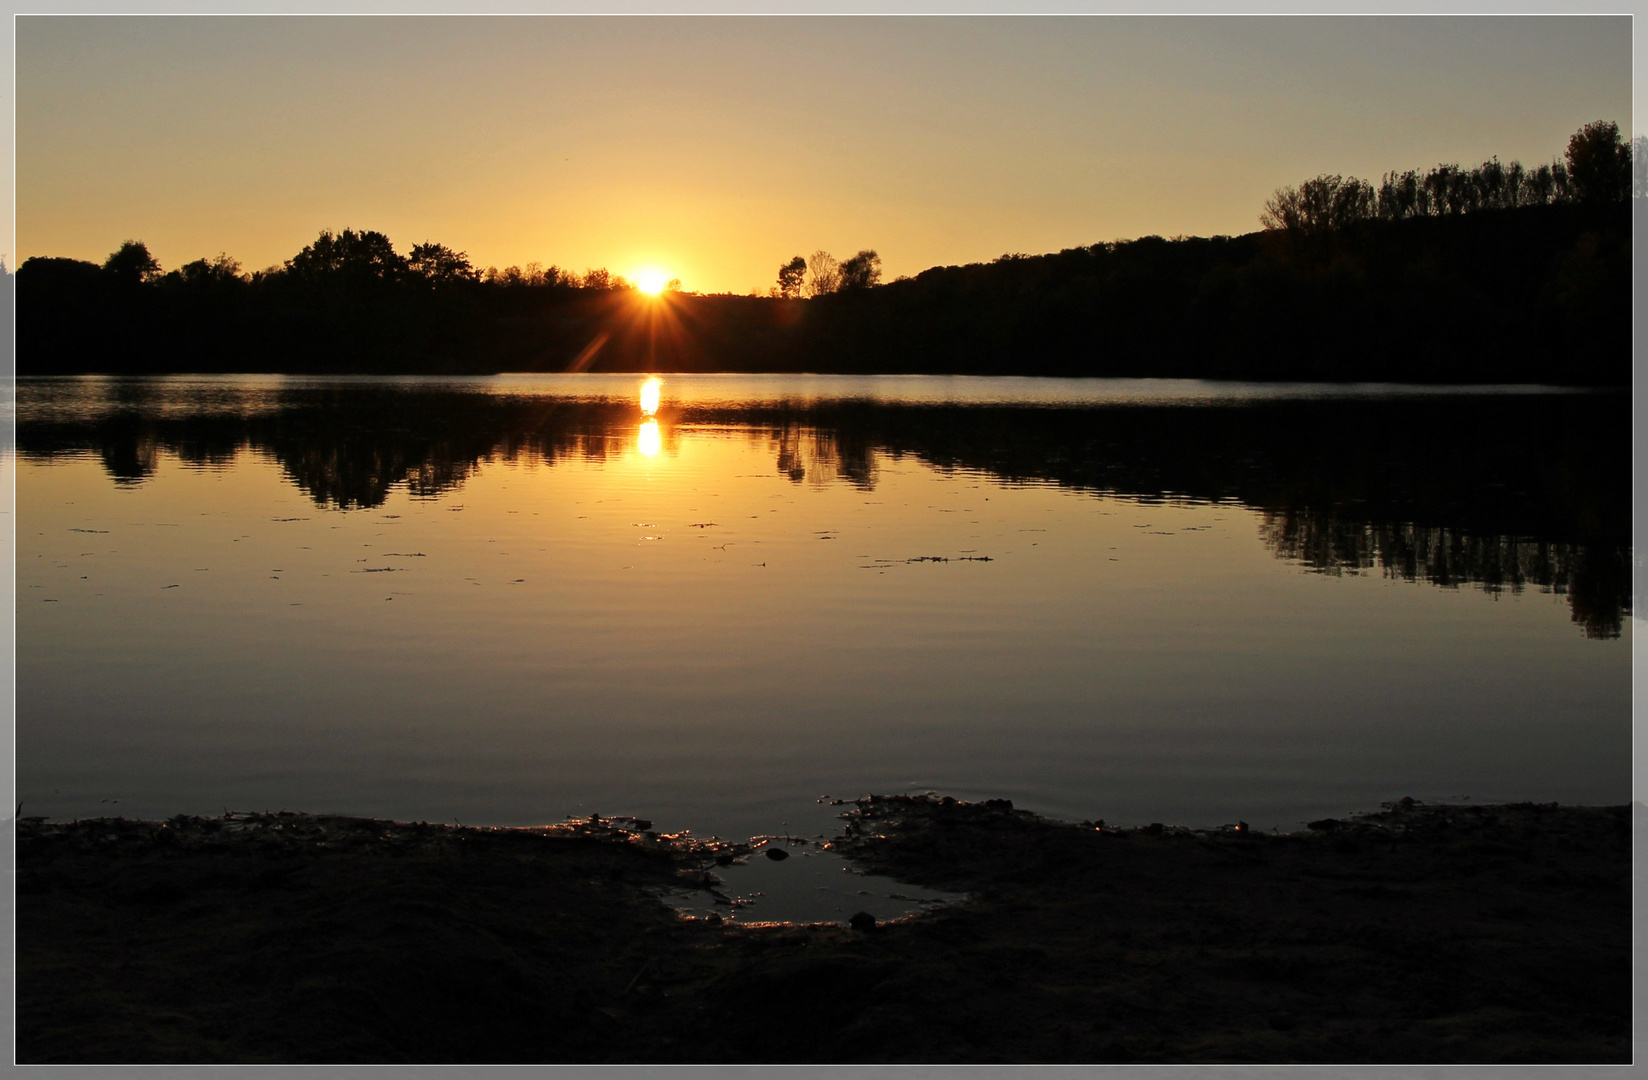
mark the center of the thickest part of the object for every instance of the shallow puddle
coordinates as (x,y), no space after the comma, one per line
(809,885)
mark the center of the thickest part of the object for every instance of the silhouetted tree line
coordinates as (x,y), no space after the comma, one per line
(1500,492)
(346,302)
(822,275)
(1492,274)
(1597,168)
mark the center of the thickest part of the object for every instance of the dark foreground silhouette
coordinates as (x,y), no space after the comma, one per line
(1457,934)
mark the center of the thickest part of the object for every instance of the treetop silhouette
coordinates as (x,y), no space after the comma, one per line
(1597,168)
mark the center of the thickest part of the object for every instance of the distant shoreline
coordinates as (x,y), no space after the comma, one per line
(1414,934)
(1338,387)
(1533,294)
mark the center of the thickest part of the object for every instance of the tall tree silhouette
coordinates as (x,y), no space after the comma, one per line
(791,276)
(825,274)
(861,271)
(1599,163)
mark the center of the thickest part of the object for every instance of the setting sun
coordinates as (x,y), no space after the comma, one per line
(651,282)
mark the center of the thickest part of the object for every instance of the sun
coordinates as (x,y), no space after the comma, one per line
(651,282)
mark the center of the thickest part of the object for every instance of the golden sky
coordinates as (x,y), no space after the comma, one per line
(717,148)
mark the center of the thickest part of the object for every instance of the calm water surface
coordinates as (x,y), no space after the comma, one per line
(509,600)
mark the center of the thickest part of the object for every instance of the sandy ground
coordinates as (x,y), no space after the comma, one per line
(1415,934)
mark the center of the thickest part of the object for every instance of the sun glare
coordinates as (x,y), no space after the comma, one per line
(651,282)
(648,439)
(651,391)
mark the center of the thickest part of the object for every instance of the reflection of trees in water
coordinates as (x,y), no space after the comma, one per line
(804,452)
(1503,493)
(1448,558)
(130,461)
(347,448)
(1500,492)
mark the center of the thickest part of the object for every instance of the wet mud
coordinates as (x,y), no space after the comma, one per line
(1413,934)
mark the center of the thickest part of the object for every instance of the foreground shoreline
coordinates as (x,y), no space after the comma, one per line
(1414,934)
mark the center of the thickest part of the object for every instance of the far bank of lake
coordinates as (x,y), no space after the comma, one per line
(1531,294)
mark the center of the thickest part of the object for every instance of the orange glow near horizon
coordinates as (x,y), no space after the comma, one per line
(651,391)
(964,137)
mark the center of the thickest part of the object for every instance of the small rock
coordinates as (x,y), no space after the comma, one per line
(777,854)
(862,921)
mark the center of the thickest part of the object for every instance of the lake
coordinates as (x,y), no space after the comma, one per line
(721,602)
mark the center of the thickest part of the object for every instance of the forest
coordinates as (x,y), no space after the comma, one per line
(1493,274)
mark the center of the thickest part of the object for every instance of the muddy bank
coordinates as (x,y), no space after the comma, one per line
(1413,934)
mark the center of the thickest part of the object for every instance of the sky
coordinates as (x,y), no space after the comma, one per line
(717,148)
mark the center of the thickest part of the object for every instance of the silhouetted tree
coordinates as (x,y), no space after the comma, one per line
(132,263)
(605,280)
(825,274)
(357,255)
(1542,185)
(216,270)
(1515,182)
(861,271)
(1562,182)
(438,264)
(1327,202)
(1599,163)
(791,276)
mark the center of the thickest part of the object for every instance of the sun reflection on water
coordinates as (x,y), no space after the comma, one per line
(647,440)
